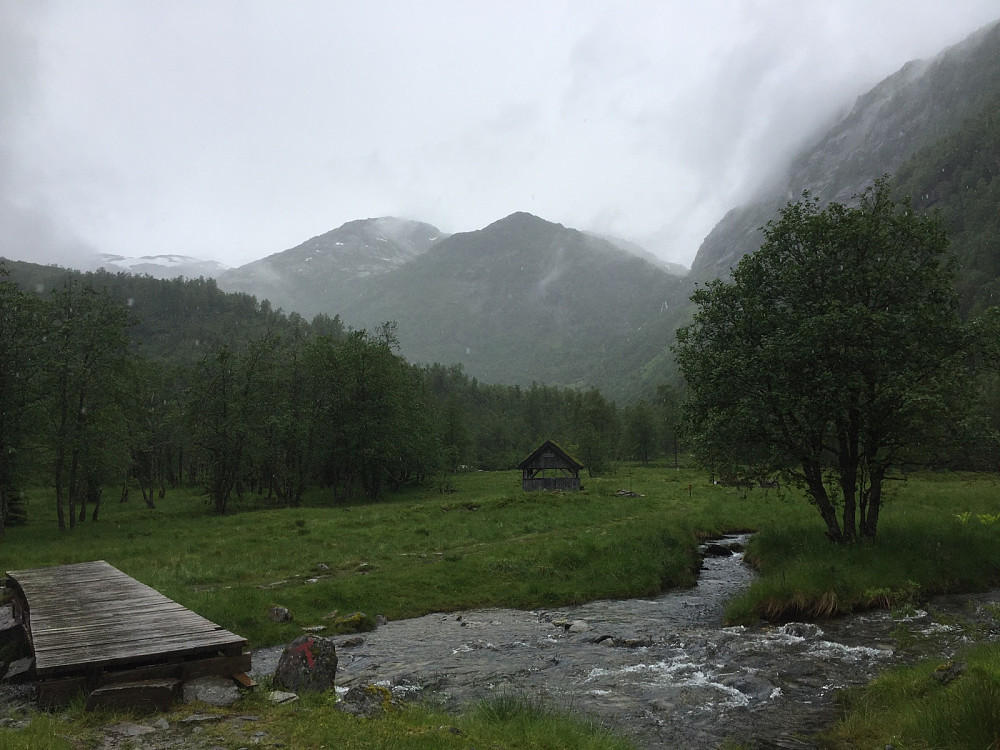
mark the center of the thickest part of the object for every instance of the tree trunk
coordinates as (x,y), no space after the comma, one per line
(6,494)
(869,520)
(819,498)
(74,468)
(847,465)
(94,492)
(60,494)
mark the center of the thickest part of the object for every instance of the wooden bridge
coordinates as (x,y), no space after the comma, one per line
(90,626)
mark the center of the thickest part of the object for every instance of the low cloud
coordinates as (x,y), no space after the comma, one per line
(233,130)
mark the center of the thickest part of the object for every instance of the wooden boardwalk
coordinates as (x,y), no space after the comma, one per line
(90,619)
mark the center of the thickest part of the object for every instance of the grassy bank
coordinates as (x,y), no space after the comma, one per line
(485,543)
(504,721)
(482,542)
(939,534)
(913,708)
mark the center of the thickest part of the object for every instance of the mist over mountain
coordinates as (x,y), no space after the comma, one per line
(521,300)
(316,276)
(527,300)
(158,266)
(920,104)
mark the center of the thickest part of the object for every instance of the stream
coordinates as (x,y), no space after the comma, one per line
(663,671)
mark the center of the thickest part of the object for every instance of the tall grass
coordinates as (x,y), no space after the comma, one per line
(489,544)
(486,544)
(909,708)
(939,535)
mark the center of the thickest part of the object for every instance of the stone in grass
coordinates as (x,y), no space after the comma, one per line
(946,673)
(11,633)
(280,696)
(308,664)
(367,700)
(215,690)
(279,614)
(356,622)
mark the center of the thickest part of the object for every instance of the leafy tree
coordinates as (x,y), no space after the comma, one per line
(833,356)
(224,408)
(641,432)
(153,421)
(20,343)
(596,427)
(668,404)
(87,354)
(377,408)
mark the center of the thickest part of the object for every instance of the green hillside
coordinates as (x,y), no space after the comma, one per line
(959,176)
(527,300)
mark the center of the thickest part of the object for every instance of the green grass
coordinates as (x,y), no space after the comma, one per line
(938,535)
(489,544)
(908,709)
(486,544)
(504,721)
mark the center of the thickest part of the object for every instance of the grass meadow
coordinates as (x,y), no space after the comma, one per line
(476,540)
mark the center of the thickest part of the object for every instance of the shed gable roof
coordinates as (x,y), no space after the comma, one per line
(548,445)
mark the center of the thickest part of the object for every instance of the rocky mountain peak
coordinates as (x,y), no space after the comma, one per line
(321,268)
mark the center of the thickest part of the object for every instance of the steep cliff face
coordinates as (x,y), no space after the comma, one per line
(918,105)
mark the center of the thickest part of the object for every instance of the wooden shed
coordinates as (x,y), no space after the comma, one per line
(549,467)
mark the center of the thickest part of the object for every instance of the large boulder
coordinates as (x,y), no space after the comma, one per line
(308,664)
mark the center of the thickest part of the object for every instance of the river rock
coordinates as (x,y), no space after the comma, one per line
(129,729)
(717,550)
(578,626)
(354,622)
(753,686)
(308,664)
(20,670)
(215,690)
(801,630)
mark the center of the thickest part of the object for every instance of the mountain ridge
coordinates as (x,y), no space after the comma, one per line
(517,302)
(326,266)
(918,104)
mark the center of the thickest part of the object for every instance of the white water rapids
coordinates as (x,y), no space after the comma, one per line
(663,670)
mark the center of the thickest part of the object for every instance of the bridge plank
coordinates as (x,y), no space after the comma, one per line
(91,615)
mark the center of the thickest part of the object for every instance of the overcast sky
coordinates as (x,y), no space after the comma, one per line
(230,130)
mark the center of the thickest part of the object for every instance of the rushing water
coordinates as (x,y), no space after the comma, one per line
(663,670)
